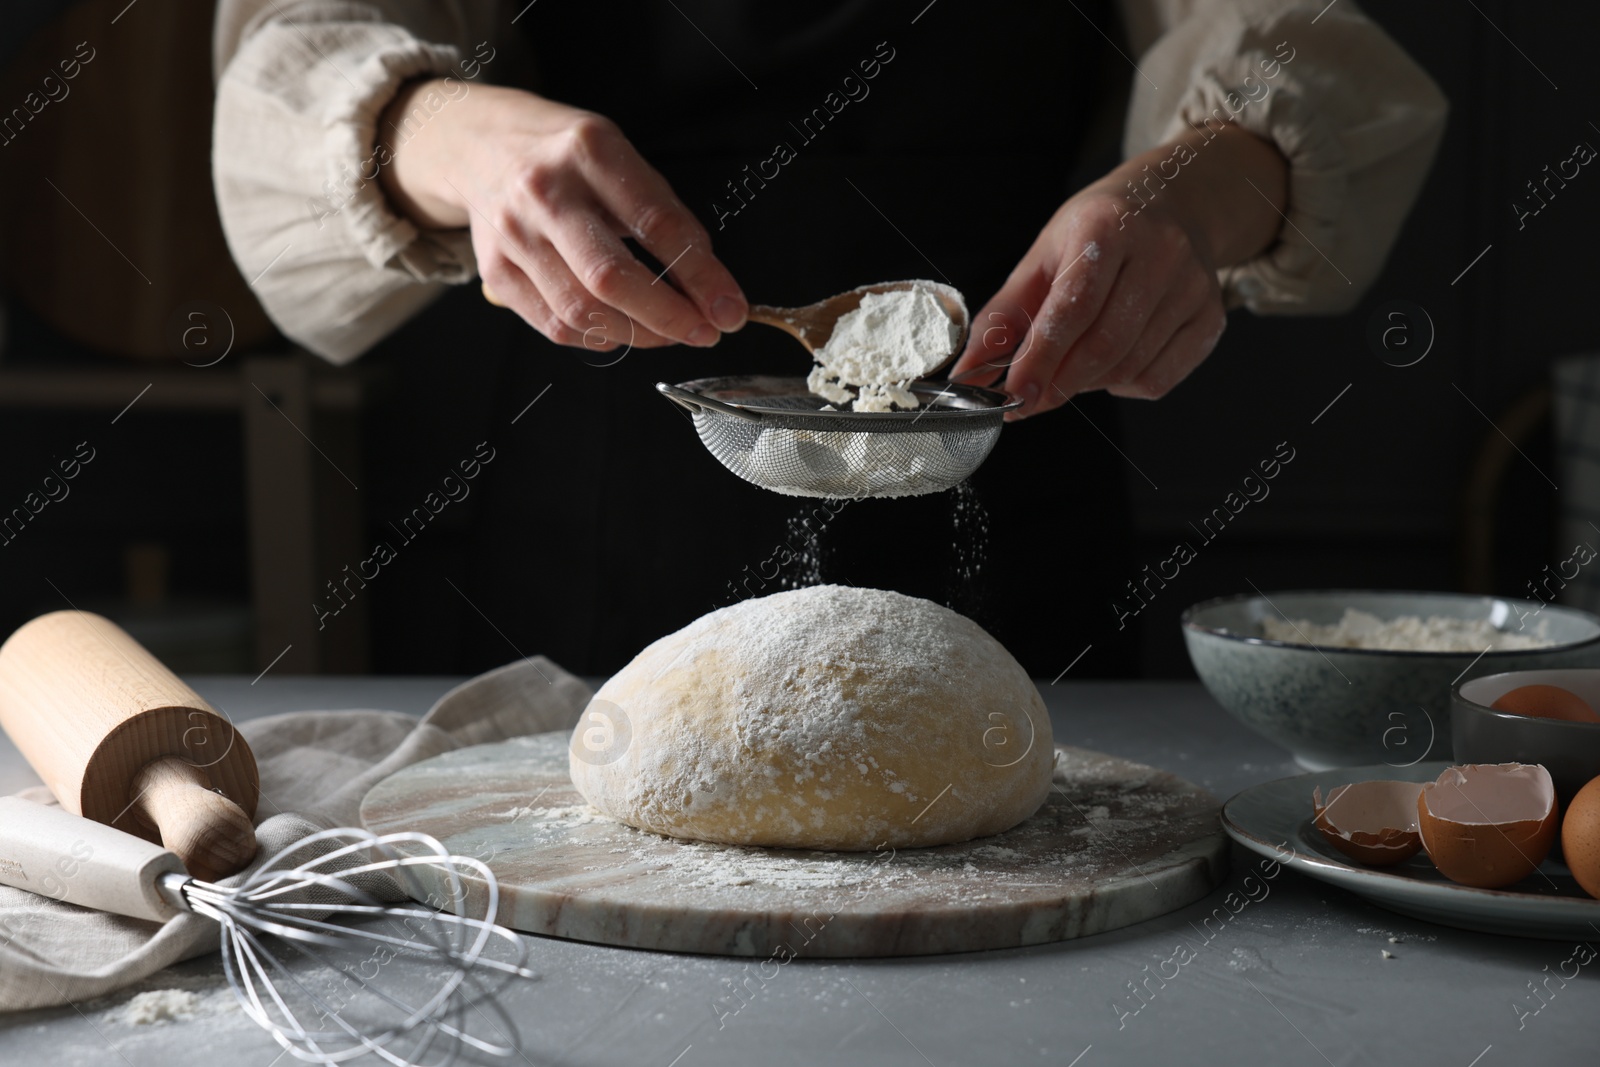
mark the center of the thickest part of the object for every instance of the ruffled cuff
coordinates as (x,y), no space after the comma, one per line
(1289,273)
(294,170)
(385,238)
(1357,120)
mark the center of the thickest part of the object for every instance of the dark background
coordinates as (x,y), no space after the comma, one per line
(1374,497)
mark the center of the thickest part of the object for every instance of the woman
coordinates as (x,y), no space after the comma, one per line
(635,170)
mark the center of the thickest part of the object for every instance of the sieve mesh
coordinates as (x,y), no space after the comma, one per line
(771,432)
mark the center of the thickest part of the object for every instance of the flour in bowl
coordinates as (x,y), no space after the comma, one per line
(1407,633)
(884,345)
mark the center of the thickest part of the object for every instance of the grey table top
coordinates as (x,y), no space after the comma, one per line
(1297,976)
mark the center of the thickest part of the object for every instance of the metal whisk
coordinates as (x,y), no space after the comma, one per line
(290,903)
(343,873)
(774,433)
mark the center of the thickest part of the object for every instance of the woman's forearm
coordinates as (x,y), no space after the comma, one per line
(1231,187)
(412,146)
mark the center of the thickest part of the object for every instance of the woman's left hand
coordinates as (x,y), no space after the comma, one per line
(1120,292)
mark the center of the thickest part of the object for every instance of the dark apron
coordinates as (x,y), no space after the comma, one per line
(603,523)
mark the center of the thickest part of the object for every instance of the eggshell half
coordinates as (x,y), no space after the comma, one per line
(1372,822)
(1546,702)
(1580,837)
(1488,825)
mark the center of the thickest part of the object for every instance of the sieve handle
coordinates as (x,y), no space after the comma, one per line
(66,857)
(696,402)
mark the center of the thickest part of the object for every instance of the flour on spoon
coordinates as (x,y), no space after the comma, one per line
(884,345)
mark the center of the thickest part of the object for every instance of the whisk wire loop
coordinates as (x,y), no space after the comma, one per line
(357,879)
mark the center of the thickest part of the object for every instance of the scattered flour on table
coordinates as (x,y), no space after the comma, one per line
(701,865)
(1393,937)
(1247,959)
(569,815)
(1436,633)
(1067,842)
(161,1006)
(891,340)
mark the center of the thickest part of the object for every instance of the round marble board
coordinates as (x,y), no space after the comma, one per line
(1116,843)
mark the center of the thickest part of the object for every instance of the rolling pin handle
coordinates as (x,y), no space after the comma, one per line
(210,833)
(66,857)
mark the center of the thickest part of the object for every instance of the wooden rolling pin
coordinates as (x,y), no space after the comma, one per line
(119,739)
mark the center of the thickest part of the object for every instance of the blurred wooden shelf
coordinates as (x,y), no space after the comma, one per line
(300,420)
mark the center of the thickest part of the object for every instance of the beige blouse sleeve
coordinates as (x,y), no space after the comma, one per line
(1357,120)
(300,87)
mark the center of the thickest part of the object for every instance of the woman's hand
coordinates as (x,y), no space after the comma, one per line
(550,192)
(1119,292)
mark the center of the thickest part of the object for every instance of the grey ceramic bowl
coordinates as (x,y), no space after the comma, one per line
(1339,707)
(1570,751)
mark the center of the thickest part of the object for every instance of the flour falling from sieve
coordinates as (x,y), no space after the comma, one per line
(969,548)
(882,346)
(802,537)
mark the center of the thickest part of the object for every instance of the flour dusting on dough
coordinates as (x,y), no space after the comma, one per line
(828,717)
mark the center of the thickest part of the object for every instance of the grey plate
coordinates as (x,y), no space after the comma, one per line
(1274,819)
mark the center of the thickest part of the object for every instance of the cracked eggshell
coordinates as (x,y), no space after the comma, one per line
(1488,825)
(1580,837)
(1371,822)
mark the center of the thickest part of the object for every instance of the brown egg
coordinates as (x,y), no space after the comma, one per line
(1488,824)
(1371,822)
(1546,702)
(1580,837)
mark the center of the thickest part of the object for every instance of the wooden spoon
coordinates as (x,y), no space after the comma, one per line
(813,324)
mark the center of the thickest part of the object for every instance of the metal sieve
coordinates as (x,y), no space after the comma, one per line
(772,432)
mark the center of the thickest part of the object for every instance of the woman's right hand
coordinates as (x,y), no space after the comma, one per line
(549,192)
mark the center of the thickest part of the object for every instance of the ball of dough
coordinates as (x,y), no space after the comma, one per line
(830,717)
